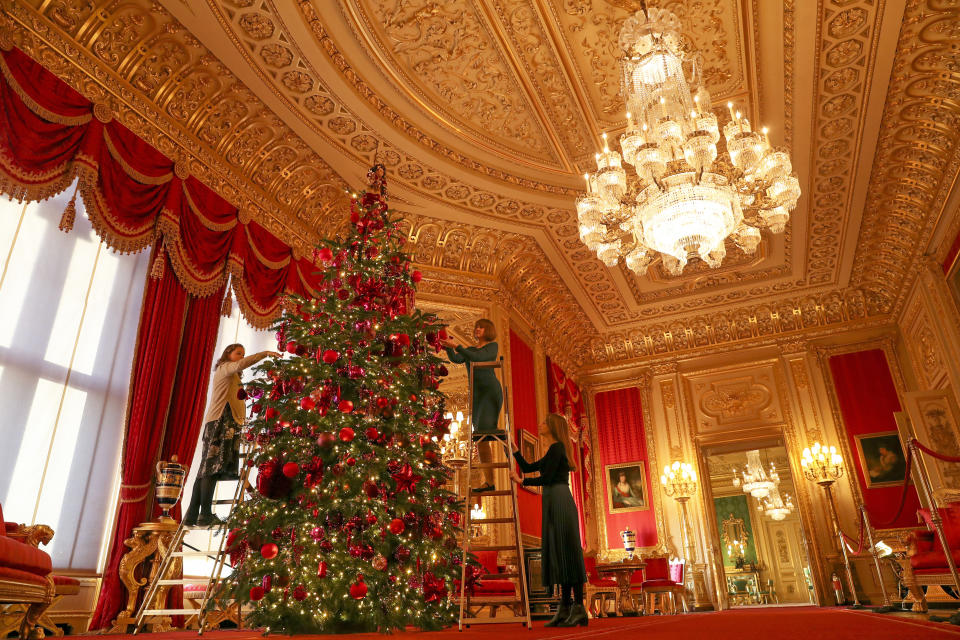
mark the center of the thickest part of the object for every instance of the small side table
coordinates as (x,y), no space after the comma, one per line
(622,572)
(148,543)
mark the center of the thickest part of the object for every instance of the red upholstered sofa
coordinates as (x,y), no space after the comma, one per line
(927,562)
(26,573)
(490,590)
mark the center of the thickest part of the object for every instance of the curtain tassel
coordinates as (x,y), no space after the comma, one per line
(226,309)
(156,269)
(69,214)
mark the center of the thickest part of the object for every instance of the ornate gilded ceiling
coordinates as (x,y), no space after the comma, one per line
(486,113)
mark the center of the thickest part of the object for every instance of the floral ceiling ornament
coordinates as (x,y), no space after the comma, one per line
(687,198)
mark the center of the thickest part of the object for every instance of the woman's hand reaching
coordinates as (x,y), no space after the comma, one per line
(515,476)
(513,447)
(449,343)
(271,354)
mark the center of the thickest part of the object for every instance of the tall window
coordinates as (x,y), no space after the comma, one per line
(232,330)
(70,309)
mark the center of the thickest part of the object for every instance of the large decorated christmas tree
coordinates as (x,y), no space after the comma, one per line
(350,528)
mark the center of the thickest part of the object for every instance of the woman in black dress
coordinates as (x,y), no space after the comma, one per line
(562,549)
(487,392)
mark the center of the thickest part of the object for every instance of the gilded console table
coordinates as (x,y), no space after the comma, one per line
(148,543)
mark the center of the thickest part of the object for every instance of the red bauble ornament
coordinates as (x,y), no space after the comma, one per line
(292,347)
(330,356)
(345,406)
(307,403)
(322,569)
(397,526)
(269,551)
(325,440)
(325,254)
(291,469)
(256,594)
(372,433)
(358,590)
(271,413)
(371,489)
(351,461)
(416,276)
(346,434)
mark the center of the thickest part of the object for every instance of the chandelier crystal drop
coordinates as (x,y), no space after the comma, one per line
(775,505)
(687,196)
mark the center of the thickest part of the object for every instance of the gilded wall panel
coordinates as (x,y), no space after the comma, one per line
(739,397)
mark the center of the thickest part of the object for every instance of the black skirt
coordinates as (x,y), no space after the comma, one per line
(562,549)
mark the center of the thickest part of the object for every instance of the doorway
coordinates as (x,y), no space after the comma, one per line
(759,531)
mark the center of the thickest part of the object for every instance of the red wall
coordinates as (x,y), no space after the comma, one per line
(621,438)
(868,400)
(524,392)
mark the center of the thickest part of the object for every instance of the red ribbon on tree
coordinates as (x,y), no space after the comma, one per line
(406,479)
(434,589)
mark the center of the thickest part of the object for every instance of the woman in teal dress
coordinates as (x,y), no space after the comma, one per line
(487,392)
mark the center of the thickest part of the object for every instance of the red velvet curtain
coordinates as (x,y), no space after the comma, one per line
(621,439)
(868,400)
(524,389)
(50,134)
(168,384)
(564,398)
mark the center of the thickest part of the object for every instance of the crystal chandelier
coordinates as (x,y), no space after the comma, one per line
(687,197)
(754,479)
(775,505)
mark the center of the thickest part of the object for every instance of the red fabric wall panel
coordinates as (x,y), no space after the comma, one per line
(524,390)
(621,438)
(868,400)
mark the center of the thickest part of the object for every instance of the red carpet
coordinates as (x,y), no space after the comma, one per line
(786,623)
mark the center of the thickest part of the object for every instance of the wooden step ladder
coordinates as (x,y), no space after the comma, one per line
(152,606)
(519,604)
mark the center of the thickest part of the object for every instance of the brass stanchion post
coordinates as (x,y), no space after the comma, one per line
(887,606)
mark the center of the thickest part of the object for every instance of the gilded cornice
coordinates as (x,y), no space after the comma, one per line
(158,80)
(918,156)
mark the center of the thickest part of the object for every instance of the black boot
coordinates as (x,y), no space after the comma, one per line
(190,517)
(563,612)
(578,616)
(207,488)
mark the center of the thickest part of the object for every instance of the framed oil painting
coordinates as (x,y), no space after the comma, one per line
(626,487)
(882,459)
(530,450)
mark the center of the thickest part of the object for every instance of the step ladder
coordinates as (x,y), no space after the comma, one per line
(153,605)
(519,604)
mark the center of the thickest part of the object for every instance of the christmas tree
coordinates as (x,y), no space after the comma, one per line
(350,528)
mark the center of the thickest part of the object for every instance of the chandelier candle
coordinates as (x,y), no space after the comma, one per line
(687,199)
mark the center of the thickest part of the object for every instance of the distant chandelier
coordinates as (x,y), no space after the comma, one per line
(686,199)
(754,479)
(775,505)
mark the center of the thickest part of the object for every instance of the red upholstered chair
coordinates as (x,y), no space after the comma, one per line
(599,591)
(927,564)
(25,573)
(659,589)
(491,589)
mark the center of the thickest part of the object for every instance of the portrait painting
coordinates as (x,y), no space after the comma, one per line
(882,459)
(626,487)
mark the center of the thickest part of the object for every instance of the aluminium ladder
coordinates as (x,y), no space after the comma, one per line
(150,607)
(519,604)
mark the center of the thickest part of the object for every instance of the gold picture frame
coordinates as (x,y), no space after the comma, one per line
(882,459)
(634,474)
(530,450)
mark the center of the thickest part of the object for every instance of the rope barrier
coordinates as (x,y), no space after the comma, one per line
(930,452)
(860,537)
